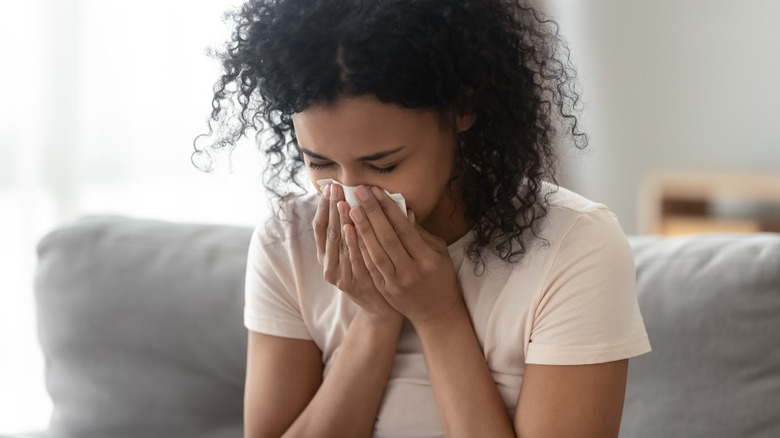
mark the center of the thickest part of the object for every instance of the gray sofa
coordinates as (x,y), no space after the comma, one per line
(141,325)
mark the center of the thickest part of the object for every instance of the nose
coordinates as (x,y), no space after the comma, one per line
(351,179)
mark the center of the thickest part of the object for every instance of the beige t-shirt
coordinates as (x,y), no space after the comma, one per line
(571,301)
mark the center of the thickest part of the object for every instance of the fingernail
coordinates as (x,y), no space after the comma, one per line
(326,191)
(356,214)
(412,218)
(362,193)
(378,193)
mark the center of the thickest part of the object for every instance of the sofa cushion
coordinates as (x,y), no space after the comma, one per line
(141,325)
(711,305)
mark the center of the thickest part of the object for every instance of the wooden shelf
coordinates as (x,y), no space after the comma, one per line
(687,203)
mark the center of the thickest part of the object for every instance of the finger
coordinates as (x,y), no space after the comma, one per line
(345,265)
(403,225)
(344,207)
(320,223)
(378,232)
(373,271)
(333,235)
(358,265)
(373,252)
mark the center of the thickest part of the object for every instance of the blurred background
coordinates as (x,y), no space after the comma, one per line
(102,100)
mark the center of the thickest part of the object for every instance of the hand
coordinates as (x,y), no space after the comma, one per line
(340,257)
(410,267)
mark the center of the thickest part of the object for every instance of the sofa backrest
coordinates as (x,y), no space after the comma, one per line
(711,306)
(141,325)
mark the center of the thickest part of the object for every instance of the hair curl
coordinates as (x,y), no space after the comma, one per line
(501,60)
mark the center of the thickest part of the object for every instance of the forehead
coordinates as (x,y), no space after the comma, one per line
(361,125)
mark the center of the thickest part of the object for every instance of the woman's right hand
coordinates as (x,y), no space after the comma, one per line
(339,254)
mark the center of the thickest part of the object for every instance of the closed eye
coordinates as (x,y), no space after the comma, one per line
(317,166)
(384,169)
(323,166)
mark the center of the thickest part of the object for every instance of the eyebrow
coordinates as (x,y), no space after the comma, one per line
(372,157)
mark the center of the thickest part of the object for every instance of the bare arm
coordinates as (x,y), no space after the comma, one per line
(467,399)
(284,394)
(282,375)
(578,401)
(347,403)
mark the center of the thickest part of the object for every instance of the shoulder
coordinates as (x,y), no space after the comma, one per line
(280,257)
(283,247)
(285,237)
(575,233)
(578,234)
(564,201)
(588,253)
(289,223)
(572,217)
(585,308)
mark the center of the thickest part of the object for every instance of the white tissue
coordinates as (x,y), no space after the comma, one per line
(349,194)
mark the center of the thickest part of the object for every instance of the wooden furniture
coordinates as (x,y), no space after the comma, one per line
(674,203)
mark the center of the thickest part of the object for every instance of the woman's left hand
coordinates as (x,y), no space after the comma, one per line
(410,267)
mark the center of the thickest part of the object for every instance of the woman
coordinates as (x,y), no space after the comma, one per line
(496,304)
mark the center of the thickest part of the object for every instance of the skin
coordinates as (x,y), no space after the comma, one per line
(336,138)
(393,267)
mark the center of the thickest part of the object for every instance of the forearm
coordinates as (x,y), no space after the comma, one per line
(467,400)
(348,400)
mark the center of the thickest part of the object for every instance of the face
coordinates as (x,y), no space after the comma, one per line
(362,141)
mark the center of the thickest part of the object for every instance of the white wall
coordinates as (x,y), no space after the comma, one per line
(673,85)
(101,103)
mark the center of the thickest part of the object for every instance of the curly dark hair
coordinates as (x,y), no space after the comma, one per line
(501,60)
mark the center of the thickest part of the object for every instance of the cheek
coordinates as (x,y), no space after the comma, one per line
(421,192)
(424,183)
(313,178)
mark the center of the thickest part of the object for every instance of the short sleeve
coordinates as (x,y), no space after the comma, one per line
(271,306)
(587,311)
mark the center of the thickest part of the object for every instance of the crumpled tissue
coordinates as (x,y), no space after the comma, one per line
(349,194)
